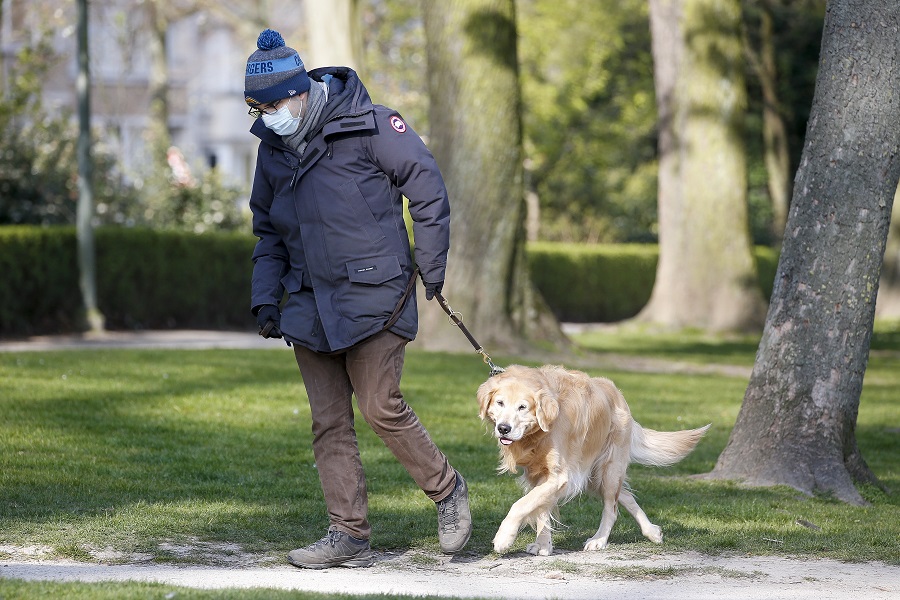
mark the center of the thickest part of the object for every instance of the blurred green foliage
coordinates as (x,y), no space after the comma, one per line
(590,118)
(589,105)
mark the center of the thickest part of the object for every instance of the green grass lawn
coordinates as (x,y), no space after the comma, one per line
(146,452)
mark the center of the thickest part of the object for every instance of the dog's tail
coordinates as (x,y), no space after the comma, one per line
(662,448)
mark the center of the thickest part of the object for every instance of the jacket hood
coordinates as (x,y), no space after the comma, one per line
(347,96)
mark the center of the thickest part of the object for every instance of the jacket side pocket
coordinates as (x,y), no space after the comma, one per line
(374,271)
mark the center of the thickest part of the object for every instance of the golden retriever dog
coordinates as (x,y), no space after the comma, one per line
(570,432)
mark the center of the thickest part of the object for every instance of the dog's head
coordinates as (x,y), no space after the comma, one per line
(517,402)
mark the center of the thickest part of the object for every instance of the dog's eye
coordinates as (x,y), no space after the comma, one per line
(499,403)
(523,407)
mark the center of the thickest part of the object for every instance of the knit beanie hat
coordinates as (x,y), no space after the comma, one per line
(274,71)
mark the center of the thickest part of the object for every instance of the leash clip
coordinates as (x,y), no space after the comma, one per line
(454,316)
(495,370)
(456,319)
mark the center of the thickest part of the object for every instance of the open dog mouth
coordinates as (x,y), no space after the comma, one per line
(505,440)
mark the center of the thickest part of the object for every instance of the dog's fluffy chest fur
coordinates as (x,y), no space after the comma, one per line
(533,453)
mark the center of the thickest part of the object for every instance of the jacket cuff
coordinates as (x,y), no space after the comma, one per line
(433,273)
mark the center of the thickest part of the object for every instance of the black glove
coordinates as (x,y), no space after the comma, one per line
(433,288)
(269,320)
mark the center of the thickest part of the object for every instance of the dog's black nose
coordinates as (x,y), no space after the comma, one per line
(503,428)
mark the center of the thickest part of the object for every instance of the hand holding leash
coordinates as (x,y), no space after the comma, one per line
(269,320)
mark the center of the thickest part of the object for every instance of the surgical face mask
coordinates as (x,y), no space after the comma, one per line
(282,121)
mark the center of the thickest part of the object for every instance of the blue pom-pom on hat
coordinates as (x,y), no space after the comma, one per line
(269,40)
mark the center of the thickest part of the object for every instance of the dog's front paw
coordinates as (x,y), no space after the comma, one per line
(653,533)
(505,538)
(539,549)
(502,546)
(596,543)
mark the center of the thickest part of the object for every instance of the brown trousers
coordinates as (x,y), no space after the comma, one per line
(371,370)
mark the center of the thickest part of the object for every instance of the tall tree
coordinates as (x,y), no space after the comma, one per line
(87,262)
(159,15)
(782,47)
(776,153)
(797,423)
(706,276)
(476,137)
(333,34)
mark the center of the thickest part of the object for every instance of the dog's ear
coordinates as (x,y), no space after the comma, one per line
(546,409)
(485,393)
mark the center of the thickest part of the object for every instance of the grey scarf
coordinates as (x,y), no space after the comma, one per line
(318,95)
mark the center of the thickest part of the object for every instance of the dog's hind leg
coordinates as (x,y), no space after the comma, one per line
(651,532)
(611,486)
(600,539)
(543,544)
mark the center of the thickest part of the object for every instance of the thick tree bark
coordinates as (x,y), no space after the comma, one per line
(797,423)
(706,277)
(476,138)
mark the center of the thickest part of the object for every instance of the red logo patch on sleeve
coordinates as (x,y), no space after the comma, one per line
(398,124)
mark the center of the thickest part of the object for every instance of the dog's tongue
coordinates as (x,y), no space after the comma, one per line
(505,441)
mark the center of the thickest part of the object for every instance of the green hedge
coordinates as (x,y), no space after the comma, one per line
(593,283)
(604,283)
(151,279)
(38,280)
(146,280)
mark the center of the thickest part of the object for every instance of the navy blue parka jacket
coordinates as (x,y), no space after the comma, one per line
(330,223)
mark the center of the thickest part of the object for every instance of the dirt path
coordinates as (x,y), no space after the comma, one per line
(569,575)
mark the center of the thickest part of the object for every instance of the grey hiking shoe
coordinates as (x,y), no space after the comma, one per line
(337,549)
(454,518)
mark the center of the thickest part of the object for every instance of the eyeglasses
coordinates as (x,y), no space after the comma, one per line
(263,109)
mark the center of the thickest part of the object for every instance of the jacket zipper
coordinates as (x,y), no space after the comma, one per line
(330,146)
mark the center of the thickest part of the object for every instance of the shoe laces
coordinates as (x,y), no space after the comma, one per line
(333,537)
(448,513)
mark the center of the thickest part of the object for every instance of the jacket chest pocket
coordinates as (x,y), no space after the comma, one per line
(364,218)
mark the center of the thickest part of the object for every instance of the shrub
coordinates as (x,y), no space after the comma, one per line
(609,282)
(146,279)
(584,283)
(39,274)
(152,279)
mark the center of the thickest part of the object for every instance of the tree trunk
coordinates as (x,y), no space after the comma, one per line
(333,34)
(476,138)
(797,423)
(775,140)
(888,304)
(87,263)
(157,136)
(706,276)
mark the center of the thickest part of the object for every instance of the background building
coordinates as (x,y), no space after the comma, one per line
(205,46)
